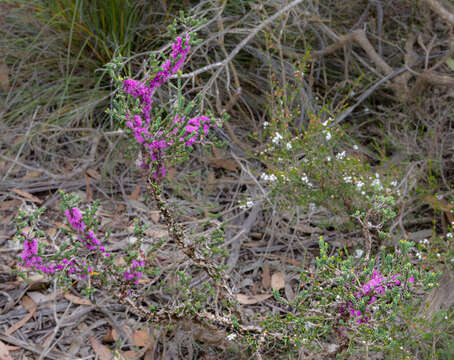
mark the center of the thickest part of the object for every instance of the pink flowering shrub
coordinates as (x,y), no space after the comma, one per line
(83,255)
(372,290)
(159,138)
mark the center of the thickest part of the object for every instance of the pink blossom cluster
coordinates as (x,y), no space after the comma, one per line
(30,259)
(375,287)
(74,216)
(133,273)
(182,132)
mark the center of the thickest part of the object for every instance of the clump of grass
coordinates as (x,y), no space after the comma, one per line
(55,50)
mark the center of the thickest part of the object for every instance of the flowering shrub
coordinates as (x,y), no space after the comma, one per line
(84,254)
(352,299)
(318,164)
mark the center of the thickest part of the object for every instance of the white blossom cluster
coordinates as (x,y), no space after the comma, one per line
(266,177)
(247,205)
(306,181)
(277,138)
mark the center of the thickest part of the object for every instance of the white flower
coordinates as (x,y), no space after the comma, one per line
(438,255)
(348,179)
(359,185)
(425,241)
(327,135)
(449,235)
(377,184)
(358,253)
(325,123)
(305,180)
(132,240)
(276,138)
(355,147)
(289,146)
(340,156)
(231,336)
(265,124)
(393,183)
(267,177)
(328,158)
(283,177)
(418,255)
(249,203)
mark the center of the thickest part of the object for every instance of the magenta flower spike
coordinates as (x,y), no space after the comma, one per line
(74,217)
(158,143)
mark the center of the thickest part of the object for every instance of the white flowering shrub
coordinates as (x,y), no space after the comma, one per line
(319,164)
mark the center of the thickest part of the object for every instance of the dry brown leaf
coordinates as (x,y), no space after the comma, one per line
(94,174)
(28,303)
(216,152)
(210,183)
(32,174)
(51,232)
(27,195)
(38,297)
(126,330)
(108,337)
(135,194)
(266,277)
(290,261)
(307,229)
(219,160)
(10,204)
(149,355)
(119,261)
(88,194)
(102,351)
(20,323)
(13,347)
(156,233)
(252,244)
(48,340)
(289,293)
(61,225)
(141,338)
(171,173)
(155,215)
(4,72)
(437,204)
(251,299)
(227,164)
(129,355)
(77,300)
(6,220)
(4,353)
(277,281)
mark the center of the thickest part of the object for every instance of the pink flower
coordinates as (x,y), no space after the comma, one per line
(74,217)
